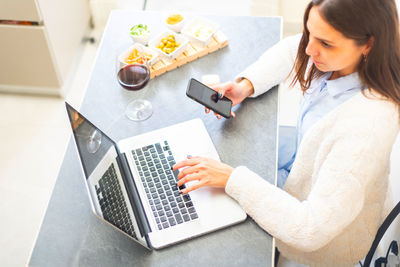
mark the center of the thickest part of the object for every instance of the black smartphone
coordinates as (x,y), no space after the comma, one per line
(209,98)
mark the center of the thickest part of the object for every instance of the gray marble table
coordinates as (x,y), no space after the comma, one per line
(72,236)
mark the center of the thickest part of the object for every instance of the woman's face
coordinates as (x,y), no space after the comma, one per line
(329,49)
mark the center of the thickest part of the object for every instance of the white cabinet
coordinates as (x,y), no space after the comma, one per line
(37,58)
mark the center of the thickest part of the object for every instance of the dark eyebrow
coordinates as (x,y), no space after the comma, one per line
(320,39)
(325,41)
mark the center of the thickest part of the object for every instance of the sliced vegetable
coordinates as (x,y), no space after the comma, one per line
(139,29)
(138,57)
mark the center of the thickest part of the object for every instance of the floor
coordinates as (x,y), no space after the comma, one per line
(35,130)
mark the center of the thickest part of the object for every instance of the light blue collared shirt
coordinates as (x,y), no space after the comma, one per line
(321,98)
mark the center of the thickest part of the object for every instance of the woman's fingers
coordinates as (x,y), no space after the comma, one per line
(193,187)
(188,178)
(188,170)
(191,161)
(217,115)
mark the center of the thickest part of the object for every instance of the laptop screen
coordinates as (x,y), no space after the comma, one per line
(92,143)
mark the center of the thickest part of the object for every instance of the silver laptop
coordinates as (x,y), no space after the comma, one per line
(132,187)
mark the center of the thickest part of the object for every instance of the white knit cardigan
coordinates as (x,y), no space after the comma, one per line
(337,193)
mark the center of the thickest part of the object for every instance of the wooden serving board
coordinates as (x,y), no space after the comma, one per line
(192,52)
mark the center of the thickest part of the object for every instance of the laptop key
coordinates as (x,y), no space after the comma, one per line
(159,227)
(163,219)
(173,203)
(158,147)
(181,205)
(191,210)
(165,225)
(184,211)
(186,218)
(171,221)
(189,204)
(169,213)
(178,218)
(194,216)
(175,210)
(165,202)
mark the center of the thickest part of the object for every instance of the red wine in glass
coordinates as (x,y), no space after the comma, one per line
(134,76)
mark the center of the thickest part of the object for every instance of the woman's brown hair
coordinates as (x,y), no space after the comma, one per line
(360,20)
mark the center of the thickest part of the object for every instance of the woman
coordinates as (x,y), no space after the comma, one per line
(336,193)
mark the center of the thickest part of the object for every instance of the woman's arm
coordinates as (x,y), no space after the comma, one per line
(334,202)
(273,66)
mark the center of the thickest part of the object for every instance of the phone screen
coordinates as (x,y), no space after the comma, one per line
(209,98)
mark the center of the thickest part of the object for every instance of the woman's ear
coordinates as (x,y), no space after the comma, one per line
(368,45)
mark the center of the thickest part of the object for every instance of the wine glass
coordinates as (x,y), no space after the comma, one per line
(133,74)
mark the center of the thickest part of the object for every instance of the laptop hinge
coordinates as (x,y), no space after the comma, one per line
(133,195)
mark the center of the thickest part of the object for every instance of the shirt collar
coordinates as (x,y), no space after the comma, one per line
(343,84)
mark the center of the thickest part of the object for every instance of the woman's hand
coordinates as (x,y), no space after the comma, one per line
(206,171)
(236,92)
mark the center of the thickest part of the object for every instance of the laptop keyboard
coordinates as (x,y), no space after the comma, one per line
(112,202)
(169,206)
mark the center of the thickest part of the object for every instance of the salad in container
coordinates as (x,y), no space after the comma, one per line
(140,33)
